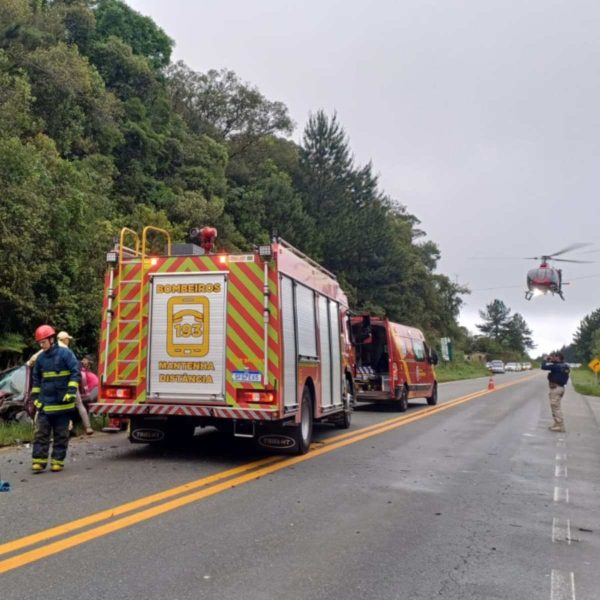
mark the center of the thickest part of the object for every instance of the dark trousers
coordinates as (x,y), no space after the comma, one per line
(51,426)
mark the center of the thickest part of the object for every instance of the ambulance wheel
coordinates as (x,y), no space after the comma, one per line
(432,400)
(401,399)
(303,432)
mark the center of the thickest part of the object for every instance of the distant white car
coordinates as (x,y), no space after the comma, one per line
(497,366)
(513,366)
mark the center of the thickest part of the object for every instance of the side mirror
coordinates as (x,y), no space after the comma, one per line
(433,358)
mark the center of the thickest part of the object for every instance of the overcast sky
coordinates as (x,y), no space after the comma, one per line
(481,116)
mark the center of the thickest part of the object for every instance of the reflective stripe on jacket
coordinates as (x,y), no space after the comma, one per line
(56,373)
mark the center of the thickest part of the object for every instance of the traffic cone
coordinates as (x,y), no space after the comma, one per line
(491,385)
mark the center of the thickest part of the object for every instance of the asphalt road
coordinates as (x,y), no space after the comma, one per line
(473,499)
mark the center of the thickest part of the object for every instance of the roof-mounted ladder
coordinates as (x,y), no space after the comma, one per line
(131,305)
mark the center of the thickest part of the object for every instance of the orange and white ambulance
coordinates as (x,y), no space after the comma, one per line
(255,343)
(393,363)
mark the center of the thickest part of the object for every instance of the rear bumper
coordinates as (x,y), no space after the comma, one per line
(374,396)
(218,412)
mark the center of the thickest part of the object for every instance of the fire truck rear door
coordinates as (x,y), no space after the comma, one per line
(186,354)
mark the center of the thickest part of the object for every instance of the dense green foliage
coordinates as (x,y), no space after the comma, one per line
(504,336)
(586,340)
(98,130)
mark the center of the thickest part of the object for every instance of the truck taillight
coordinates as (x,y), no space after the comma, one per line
(118,393)
(255,396)
(394,373)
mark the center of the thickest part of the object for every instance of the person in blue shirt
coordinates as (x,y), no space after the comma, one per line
(557,380)
(55,380)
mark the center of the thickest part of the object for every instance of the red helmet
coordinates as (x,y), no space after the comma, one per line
(43,332)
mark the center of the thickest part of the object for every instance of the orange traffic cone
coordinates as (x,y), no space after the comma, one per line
(491,385)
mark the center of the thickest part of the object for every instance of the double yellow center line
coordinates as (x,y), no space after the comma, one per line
(188,493)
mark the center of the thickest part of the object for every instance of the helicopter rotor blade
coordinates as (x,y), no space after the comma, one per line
(570,248)
(571,261)
(495,257)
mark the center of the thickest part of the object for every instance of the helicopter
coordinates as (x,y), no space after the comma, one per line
(546,278)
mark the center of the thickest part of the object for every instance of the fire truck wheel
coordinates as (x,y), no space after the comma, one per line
(303,432)
(345,418)
(401,398)
(432,400)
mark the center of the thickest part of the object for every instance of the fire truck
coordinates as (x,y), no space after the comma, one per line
(253,343)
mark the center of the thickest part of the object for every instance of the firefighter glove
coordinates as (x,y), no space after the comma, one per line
(69,397)
(39,405)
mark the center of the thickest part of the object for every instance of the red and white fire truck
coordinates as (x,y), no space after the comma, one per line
(255,343)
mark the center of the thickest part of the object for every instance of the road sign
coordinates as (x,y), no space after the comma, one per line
(594,365)
(446,348)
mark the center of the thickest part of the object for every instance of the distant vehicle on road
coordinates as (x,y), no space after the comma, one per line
(512,366)
(497,366)
(526,366)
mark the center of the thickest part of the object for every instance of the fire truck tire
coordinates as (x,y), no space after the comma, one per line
(303,433)
(345,419)
(433,399)
(401,398)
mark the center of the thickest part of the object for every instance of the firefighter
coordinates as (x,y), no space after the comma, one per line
(64,339)
(55,381)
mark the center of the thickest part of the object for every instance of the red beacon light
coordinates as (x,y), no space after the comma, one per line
(204,237)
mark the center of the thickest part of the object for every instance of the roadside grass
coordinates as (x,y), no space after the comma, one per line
(13,433)
(453,371)
(585,382)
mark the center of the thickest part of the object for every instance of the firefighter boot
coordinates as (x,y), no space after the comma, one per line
(57,465)
(38,467)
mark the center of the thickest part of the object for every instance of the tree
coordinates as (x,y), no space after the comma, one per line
(496,317)
(115,18)
(509,333)
(582,340)
(595,344)
(517,335)
(219,104)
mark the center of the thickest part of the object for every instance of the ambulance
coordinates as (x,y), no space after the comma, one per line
(253,343)
(393,363)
